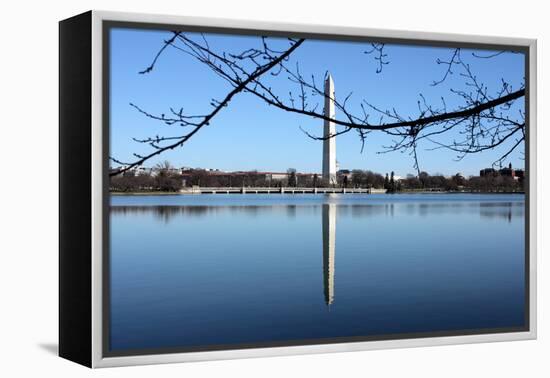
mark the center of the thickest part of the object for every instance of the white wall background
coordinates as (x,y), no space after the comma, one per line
(28,200)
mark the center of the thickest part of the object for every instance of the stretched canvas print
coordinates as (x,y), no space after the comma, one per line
(270,188)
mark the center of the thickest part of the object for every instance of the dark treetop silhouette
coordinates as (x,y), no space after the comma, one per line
(484,120)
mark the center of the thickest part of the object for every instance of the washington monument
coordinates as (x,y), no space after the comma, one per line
(329,144)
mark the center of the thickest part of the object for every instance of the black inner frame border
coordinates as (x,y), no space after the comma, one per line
(108,25)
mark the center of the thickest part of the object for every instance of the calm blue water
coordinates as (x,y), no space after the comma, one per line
(203,270)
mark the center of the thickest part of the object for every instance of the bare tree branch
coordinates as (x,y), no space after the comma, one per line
(483,121)
(378,50)
(261,69)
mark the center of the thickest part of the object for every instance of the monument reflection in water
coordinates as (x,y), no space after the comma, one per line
(329,250)
(200,271)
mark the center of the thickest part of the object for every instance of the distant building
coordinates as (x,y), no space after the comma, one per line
(344,173)
(488,172)
(520,174)
(516,174)
(507,172)
(142,171)
(274,176)
(457,175)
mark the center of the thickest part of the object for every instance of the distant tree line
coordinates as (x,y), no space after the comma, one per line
(164,180)
(491,183)
(366,179)
(168,179)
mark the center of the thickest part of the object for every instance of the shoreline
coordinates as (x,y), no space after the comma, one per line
(159,193)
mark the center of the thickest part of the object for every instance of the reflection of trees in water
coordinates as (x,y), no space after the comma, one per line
(389,209)
(500,210)
(291,211)
(166,213)
(506,210)
(430,208)
(425,209)
(361,210)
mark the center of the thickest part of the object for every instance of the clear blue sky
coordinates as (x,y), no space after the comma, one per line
(249,135)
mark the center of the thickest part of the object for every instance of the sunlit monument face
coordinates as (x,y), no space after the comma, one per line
(235,222)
